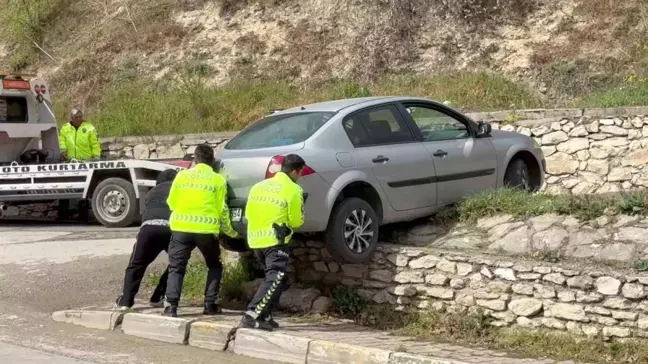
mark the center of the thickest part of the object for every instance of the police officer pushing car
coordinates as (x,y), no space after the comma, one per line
(199,212)
(274,209)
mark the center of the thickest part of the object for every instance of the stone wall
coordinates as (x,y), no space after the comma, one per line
(585,296)
(587,150)
(160,146)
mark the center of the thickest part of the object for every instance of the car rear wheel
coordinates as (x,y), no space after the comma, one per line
(352,234)
(114,203)
(517,175)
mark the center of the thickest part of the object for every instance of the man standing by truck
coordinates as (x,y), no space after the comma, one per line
(78,139)
(199,213)
(273,211)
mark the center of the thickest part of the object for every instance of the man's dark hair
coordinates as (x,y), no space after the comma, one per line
(292,162)
(168,175)
(204,154)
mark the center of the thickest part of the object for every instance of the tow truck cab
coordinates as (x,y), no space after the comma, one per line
(26,118)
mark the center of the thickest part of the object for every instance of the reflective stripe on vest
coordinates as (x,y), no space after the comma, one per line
(267,199)
(196,219)
(261,234)
(197,186)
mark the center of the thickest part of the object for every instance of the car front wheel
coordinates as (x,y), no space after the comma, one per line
(352,234)
(517,175)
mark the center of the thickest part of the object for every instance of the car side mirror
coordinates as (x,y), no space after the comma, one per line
(483,129)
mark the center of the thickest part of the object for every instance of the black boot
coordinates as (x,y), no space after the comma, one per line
(270,320)
(170,311)
(248,322)
(212,309)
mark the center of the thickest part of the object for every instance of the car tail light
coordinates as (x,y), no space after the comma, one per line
(275,166)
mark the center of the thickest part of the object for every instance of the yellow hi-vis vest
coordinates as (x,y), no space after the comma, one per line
(276,200)
(198,202)
(80,143)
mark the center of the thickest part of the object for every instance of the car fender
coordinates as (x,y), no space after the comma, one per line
(346,179)
(510,153)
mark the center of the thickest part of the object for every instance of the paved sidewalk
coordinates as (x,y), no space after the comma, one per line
(13,354)
(339,332)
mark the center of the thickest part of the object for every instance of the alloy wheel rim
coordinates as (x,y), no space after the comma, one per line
(358,231)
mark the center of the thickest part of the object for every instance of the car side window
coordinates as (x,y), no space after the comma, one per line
(377,126)
(436,125)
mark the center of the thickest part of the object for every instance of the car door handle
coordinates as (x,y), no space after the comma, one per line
(440,153)
(380,159)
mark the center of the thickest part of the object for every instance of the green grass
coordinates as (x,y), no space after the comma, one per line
(475,330)
(135,107)
(628,94)
(130,106)
(521,204)
(193,289)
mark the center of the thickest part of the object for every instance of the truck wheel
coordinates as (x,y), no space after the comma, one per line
(114,203)
(352,234)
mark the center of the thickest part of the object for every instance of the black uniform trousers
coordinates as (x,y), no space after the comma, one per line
(275,262)
(182,244)
(151,241)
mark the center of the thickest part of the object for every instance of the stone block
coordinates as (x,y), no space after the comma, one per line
(326,352)
(156,327)
(271,345)
(209,335)
(101,320)
(403,358)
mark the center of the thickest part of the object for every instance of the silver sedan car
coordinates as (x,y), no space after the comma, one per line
(376,160)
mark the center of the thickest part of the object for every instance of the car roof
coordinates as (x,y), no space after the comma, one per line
(338,105)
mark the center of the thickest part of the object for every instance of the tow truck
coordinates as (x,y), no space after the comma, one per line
(31,170)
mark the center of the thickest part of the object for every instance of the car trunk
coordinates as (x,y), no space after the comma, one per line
(244,168)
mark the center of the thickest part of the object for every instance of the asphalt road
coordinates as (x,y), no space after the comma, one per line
(46,268)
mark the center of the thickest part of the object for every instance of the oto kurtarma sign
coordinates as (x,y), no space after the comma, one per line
(63,167)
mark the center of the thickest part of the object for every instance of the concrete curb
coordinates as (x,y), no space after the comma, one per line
(327,352)
(278,346)
(156,327)
(102,320)
(216,336)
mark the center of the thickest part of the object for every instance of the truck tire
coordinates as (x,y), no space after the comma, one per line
(352,233)
(114,203)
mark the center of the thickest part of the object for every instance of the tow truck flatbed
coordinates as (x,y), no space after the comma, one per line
(115,187)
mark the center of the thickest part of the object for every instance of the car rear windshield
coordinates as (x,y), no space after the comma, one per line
(278,130)
(13,109)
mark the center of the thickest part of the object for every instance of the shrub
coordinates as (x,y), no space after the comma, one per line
(347,301)
(26,21)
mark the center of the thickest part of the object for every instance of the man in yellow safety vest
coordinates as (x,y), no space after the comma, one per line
(274,209)
(78,139)
(199,212)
